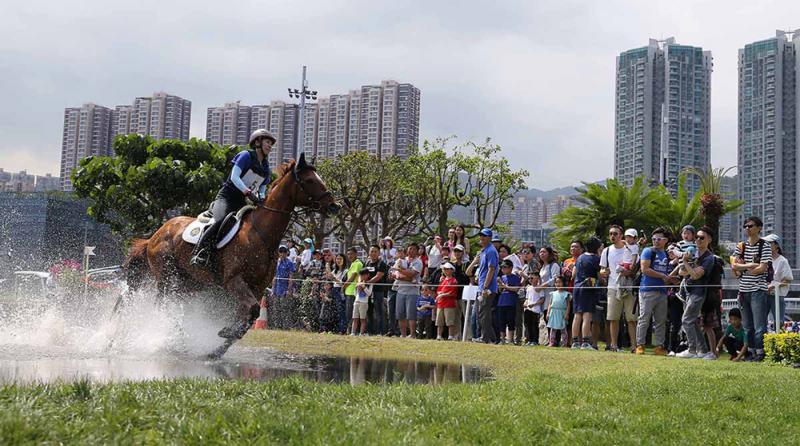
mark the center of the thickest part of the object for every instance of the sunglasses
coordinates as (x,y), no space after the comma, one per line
(700,237)
(656,239)
(748,226)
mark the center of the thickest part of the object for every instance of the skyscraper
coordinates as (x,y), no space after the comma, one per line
(229,124)
(162,116)
(768,138)
(87,132)
(380,119)
(662,113)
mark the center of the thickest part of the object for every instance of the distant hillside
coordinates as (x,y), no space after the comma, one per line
(552,193)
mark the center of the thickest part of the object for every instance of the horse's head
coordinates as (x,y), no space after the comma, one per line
(312,191)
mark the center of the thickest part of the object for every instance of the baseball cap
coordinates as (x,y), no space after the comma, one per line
(772,238)
(458,247)
(448,265)
(632,232)
(283,248)
(507,263)
(308,240)
(485,232)
(496,238)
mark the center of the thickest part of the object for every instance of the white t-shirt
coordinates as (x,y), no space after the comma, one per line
(631,254)
(434,257)
(781,272)
(292,253)
(613,258)
(305,257)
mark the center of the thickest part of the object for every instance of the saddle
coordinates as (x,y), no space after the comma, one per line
(227,230)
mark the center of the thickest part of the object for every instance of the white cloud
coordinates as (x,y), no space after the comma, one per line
(538,77)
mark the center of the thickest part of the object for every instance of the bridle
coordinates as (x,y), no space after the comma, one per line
(316,201)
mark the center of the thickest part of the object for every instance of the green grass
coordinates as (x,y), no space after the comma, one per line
(555,396)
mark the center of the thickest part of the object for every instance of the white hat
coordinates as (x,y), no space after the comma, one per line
(448,265)
(632,232)
(772,238)
(458,247)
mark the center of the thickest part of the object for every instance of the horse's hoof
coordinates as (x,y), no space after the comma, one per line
(221,350)
(234,331)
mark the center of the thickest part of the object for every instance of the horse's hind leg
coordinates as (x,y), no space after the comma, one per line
(246,300)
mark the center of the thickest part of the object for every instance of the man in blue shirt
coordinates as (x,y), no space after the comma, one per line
(653,294)
(488,260)
(250,176)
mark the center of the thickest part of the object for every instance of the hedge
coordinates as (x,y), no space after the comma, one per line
(783,348)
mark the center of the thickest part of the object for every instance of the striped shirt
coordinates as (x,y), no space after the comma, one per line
(747,282)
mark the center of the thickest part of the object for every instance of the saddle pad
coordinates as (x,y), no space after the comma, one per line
(192,232)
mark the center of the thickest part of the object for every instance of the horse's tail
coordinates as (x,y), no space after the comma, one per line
(136,264)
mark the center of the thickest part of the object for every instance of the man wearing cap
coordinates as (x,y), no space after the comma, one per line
(488,261)
(281,284)
(446,295)
(620,294)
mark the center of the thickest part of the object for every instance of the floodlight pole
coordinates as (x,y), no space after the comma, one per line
(303,94)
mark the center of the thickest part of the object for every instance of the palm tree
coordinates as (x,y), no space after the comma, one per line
(600,206)
(675,213)
(712,202)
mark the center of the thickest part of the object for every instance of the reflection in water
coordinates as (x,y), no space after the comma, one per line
(246,364)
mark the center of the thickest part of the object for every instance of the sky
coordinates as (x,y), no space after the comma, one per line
(535,76)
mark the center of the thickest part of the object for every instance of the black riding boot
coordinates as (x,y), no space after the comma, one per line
(201,255)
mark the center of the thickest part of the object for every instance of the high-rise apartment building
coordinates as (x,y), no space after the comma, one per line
(380,119)
(662,113)
(768,143)
(229,124)
(91,129)
(161,116)
(87,132)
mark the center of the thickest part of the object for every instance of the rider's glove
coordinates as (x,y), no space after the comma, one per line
(253,196)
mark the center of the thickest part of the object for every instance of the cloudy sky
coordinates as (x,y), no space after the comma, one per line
(537,77)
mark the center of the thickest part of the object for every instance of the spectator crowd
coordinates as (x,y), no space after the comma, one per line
(630,292)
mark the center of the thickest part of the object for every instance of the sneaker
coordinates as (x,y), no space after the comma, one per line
(660,351)
(672,354)
(610,348)
(575,346)
(710,356)
(352,334)
(639,349)
(686,354)
(587,346)
(439,338)
(451,338)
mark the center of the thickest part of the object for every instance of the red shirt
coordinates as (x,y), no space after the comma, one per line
(450,290)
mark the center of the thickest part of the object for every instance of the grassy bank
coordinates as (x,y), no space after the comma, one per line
(557,396)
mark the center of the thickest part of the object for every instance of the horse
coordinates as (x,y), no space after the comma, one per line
(246,265)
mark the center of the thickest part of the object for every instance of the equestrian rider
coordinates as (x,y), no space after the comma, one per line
(249,178)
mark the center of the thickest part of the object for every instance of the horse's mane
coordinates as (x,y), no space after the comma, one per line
(284,168)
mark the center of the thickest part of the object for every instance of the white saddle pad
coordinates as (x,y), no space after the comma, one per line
(192,232)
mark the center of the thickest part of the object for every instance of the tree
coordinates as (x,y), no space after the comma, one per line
(490,183)
(604,205)
(712,202)
(675,213)
(147,182)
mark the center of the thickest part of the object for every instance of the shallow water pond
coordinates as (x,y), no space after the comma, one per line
(239,363)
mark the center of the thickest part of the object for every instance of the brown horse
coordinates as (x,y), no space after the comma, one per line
(246,265)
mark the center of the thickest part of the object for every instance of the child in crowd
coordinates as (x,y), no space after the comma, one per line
(558,314)
(735,337)
(630,257)
(328,313)
(361,304)
(425,306)
(508,285)
(534,301)
(446,303)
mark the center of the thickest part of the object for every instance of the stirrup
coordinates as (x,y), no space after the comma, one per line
(201,258)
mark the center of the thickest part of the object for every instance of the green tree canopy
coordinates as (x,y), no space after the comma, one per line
(146,182)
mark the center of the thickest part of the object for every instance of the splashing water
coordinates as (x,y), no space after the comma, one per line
(144,326)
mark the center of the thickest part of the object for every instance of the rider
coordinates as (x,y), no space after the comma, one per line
(249,178)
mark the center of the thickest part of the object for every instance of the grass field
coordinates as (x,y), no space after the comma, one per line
(553,395)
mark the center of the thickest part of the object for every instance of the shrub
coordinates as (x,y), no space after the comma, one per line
(783,348)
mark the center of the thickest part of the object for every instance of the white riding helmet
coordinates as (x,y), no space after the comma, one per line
(262,133)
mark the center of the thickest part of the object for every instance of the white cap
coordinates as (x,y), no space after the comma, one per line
(448,265)
(632,232)
(772,238)
(458,247)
